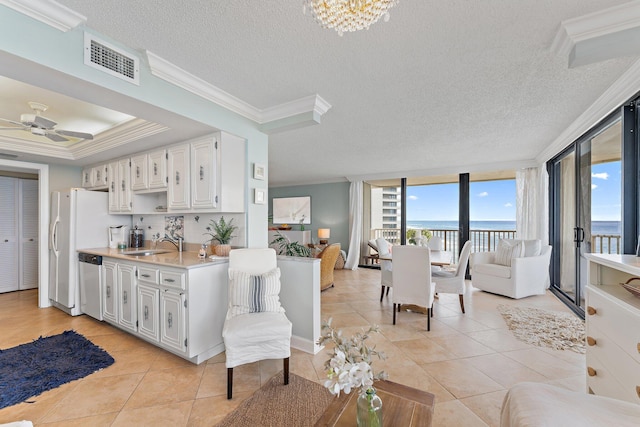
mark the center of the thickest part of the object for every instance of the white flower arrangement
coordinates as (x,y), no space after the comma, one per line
(350,364)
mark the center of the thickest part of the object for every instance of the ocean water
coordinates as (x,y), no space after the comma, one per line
(597,227)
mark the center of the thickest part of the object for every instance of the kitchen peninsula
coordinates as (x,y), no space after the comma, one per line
(174,300)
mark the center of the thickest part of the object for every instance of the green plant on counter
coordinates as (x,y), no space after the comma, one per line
(288,248)
(221,231)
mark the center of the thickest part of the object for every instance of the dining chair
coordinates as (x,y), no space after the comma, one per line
(436,243)
(451,281)
(256,327)
(412,279)
(384,251)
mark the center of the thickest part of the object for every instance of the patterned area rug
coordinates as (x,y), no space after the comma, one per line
(542,328)
(300,403)
(46,363)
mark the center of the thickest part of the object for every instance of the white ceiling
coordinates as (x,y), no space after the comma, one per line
(442,84)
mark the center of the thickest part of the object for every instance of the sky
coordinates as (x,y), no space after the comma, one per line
(489,201)
(496,200)
(606,192)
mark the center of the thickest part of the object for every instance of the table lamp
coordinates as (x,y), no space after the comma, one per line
(323,235)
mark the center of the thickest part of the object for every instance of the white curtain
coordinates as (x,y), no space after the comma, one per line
(532,214)
(355,225)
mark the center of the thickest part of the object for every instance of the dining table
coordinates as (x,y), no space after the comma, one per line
(437,258)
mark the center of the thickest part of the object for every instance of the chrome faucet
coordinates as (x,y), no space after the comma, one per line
(177,244)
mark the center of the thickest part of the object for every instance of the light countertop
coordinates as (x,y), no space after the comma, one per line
(186,259)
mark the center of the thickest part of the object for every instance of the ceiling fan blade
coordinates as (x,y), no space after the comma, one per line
(12,122)
(72,134)
(55,137)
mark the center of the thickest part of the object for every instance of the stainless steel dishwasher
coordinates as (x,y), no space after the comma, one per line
(90,284)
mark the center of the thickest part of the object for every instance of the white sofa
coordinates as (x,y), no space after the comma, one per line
(527,275)
(535,405)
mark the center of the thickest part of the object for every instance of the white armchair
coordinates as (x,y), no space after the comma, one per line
(527,274)
(386,279)
(256,327)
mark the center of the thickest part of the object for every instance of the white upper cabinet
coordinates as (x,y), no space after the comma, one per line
(204,159)
(100,175)
(139,172)
(178,194)
(124,186)
(158,169)
(87,178)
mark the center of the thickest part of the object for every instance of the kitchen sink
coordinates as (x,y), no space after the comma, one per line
(146,252)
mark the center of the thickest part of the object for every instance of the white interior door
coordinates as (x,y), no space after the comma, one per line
(8,234)
(29,209)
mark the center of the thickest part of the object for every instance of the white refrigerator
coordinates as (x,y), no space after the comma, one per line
(79,220)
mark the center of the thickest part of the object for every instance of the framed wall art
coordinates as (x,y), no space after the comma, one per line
(292,210)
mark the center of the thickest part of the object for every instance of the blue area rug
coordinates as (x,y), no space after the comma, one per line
(46,363)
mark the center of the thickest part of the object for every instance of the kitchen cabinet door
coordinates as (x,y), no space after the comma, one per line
(125,203)
(172,313)
(8,234)
(148,312)
(100,175)
(127,296)
(87,178)
(178,193)
(158,169)
(114,199)
(204,174)
(139,172)
(109,291)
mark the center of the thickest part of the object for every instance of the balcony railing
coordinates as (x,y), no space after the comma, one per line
(487,240)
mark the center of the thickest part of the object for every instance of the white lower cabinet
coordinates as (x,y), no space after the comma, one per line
(178,309)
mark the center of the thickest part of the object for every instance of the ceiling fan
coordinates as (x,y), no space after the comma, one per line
(37,124)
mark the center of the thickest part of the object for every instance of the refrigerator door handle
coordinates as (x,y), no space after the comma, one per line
(53,239)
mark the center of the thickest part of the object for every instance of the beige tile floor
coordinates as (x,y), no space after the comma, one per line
(468,361)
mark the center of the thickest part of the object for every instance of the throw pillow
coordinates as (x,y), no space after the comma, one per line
(250,293)
(507,251)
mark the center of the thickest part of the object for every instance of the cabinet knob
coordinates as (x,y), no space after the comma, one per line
(638,390)
(591,372)
(591,311)
(591,341)
(638,347)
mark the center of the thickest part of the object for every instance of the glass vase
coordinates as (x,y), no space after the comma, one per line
(369,409)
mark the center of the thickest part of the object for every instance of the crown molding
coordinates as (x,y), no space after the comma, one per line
(469,168)
(616,95)
(593,30)
(47,11)
(18,145)
(169,72)
(126,133)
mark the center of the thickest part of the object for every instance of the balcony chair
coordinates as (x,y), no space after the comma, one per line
(519,268)
(328,258)
(256,327)
(373,257)
(412,279)
(384,250)
(451,281)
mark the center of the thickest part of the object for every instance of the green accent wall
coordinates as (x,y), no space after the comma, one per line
(329,208)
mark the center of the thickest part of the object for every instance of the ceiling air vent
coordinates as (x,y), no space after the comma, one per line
(110,59)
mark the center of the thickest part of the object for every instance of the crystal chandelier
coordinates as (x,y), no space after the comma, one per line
(348,15)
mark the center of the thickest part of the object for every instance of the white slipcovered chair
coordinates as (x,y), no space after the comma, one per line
(384,251)
(436,243)
(256,327)
(452,281)
(519,268)
(412,279)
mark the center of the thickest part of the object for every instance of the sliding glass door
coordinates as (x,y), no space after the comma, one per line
(586,207)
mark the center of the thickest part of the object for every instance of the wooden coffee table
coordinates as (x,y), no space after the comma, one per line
(401,406)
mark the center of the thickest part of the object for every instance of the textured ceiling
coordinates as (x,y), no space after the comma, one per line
(442,84)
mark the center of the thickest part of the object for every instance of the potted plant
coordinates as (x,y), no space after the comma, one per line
(288,248)
(222,232)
